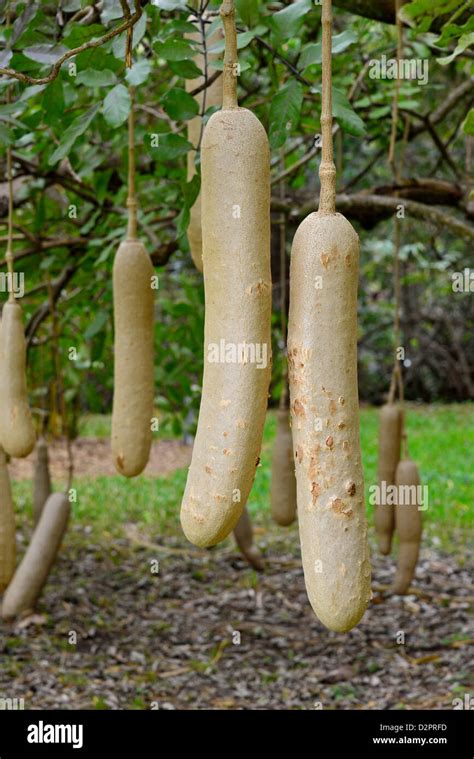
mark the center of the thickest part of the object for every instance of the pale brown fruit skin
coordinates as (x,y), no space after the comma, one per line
(409,526)
(390,437)
(42,479)
(31,575)
(213,97)
(7,526)
(17,432)
(243,534)
(283,482)
(237,281)
(133,403)
(322,355)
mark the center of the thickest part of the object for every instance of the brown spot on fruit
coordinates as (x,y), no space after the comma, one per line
(313,468)
(259,288)
(341,400)
(298,408)
(341,425)
(299,454)
(324,258)
(315,491)
(208,469)
(332,407)
(330,442)
(340,508)
(345,445)
(350,487)
(347,261)
(227,452)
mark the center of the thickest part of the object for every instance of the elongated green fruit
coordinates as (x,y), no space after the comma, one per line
(42,479)
(283,485)
(243,534)
(134,370)
(31,575)
(211,96)
(237,342)
(7,526)
(408,523)
(16,424)
(390,436)
(322,354)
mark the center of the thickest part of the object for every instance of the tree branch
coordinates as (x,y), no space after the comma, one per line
(44,310)
(369,210)
(71,53)
(384,11)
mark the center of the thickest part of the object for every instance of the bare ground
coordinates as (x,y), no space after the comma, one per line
(93,457)
(207,632)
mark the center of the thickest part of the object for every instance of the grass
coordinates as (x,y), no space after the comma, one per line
(441,441)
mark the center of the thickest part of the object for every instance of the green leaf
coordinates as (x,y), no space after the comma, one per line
(5,136)
(138,73)
(170,146)
(189,193)
(170,5)
(22,23)
(5,58)
(345,114)
(313,53)
(45,53)
(180,26)
(96,325)
(80,34)
(286,23)
(185,69)
(53,103)
(96,78)
(180,105)
(422,13)
(464,42)
(248,12)
(377,113)
(31,91)
(342,41)
(174,50)
(453,31)
(243,40)
(119,43)
(310,55)
(69,6)
(74,130)
(117,106)
(285,112)
(468,126)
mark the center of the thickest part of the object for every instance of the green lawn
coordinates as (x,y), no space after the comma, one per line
(441,441)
